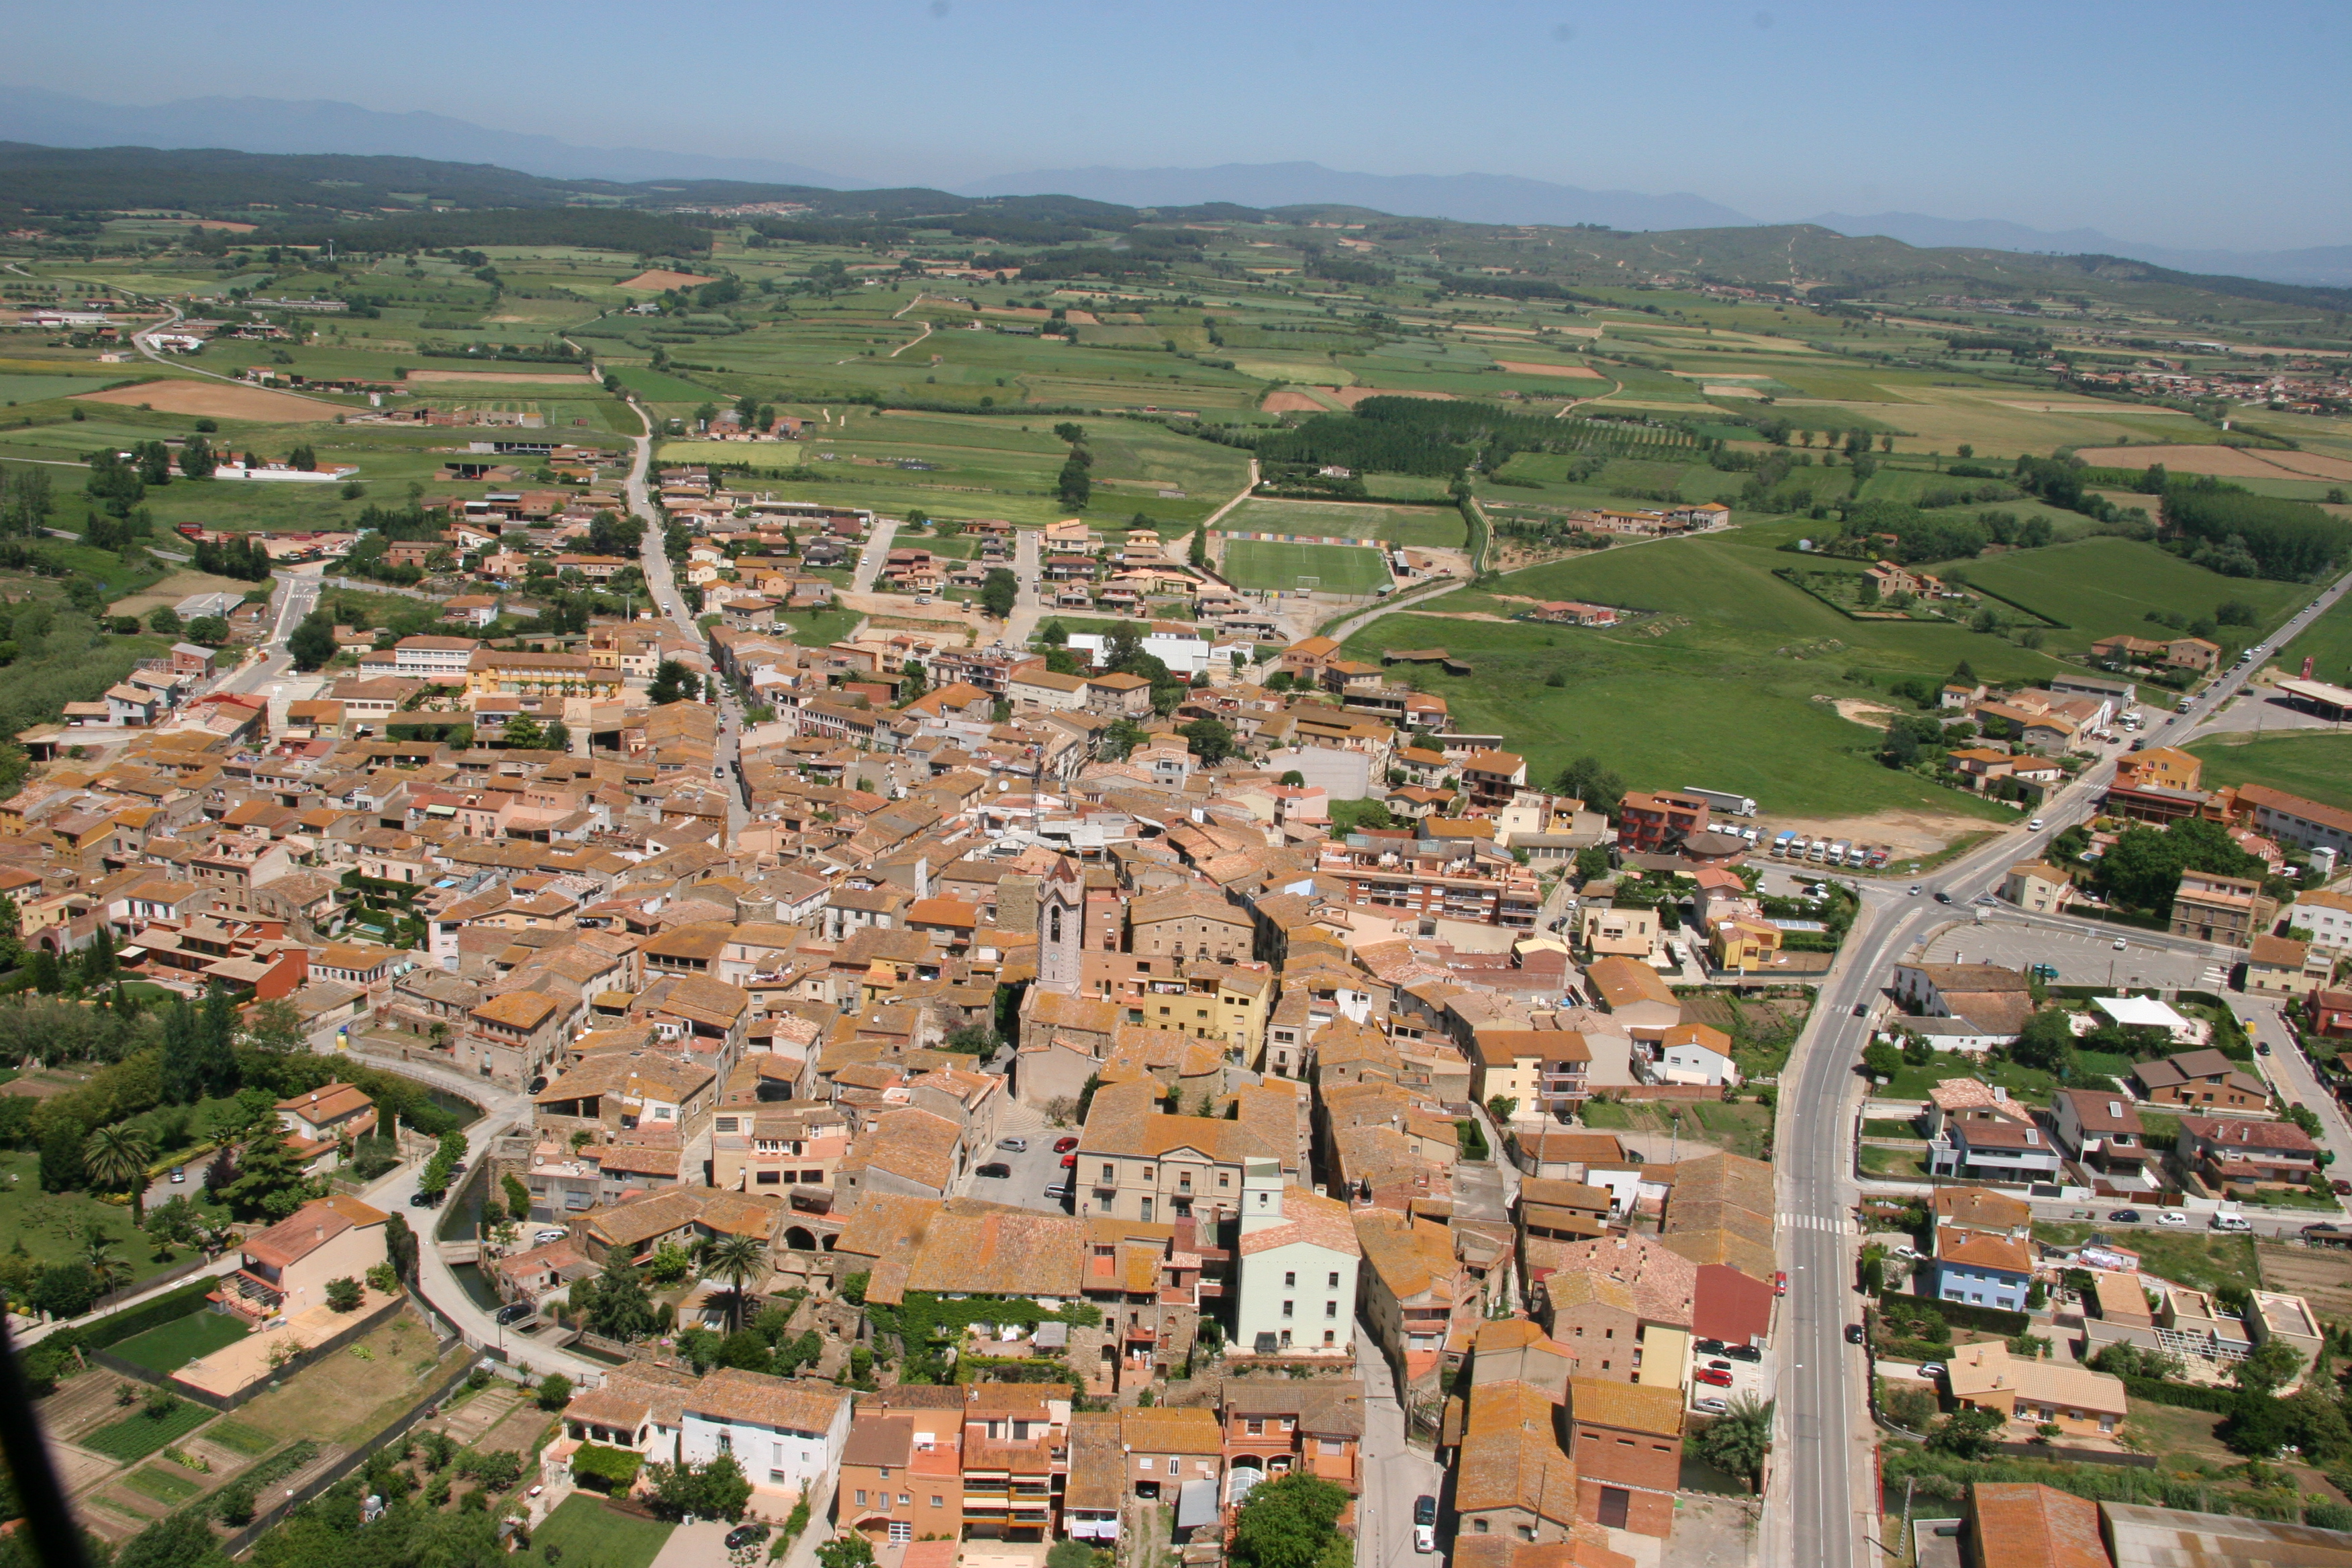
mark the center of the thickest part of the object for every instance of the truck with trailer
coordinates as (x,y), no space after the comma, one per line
(1781,841)
(1723,801)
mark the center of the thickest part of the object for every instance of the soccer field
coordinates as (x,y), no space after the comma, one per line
(1254,564)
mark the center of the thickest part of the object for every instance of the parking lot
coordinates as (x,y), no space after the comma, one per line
(1033,1170)
(2083,958)
(1748,1378)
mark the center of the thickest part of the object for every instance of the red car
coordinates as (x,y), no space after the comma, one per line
(1064,1145)
(1069,1161)
(1711,1377)
(1780,1284)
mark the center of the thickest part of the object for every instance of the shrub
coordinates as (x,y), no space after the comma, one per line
(343,1295)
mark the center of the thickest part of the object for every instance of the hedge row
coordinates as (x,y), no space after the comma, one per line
(2186,1396)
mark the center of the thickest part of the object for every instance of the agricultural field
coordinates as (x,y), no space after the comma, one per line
(2313,763)
(1338,569)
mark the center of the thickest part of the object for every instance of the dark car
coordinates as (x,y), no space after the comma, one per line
(996,1170)
(515,1312)
(1853,1333)
(1862,1009)
(1942,896)
(1743,1352)
(744,1535)
(2261,1048)
(1708,1347)
(422,1200)
(2125,1216)
(1064,1145)
(1424,1509)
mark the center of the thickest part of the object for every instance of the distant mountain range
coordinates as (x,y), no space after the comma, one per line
(323,125)
(2325,266)
(276,125)
(1466,198)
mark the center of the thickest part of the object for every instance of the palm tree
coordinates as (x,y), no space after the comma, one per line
(118,1157)
(736,1259)
(107,1272)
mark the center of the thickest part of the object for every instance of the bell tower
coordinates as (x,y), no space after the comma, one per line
(1061,928)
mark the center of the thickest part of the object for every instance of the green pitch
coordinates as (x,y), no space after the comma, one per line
(1254,564)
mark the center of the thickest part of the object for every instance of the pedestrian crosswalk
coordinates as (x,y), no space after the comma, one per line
(1836,1224)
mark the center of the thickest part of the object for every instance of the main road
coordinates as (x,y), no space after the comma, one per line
(654,557)
(1821,1506)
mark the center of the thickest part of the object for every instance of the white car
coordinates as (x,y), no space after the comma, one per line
(2120,945)
(2035,825)
(540,1238)
(2172,1217)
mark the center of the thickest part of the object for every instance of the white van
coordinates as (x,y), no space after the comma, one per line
(2232,1222)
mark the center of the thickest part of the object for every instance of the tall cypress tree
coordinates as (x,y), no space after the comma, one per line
(215,1042)
(183,1068)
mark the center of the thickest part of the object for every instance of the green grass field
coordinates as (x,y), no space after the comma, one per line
(53,1226)
(170,1346)
(585,1531)
(2106,587)
(2326,642)
(1253,564)
(237,1435)
(166,1483)
(2316,764)
(136,1436)
(1432,527)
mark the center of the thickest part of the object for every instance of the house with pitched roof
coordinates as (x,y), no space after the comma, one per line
(283,1271)
(1296,1265)
(1626,1441)
(787,1434)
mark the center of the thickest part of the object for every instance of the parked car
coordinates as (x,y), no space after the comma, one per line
(1018,1145)
(179,1173)
(1424,1523)
(1060,1189)
(1780,1282)
(995,1171)
(1064,1145)
(1069,1161)
(1853,1333)
(515,1312)
(744,1535)
(422,1200)
(1932,1369)
(1712,1377)
(2173,1217)
(1743,1352)
(2119,945)
(2124,1217)
(2261,1048)
(1706,1347)
(1719,1365)
(1709,1405)
(2232,1222)
(1904,1250)
(553,1233)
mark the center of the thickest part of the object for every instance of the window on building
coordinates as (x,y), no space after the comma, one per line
(1289,1279)
(1286,1308)
(1333,1282)
(861,1497)
(902,1529)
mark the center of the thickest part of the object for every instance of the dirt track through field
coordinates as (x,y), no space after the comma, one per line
(219,399)
(2223,462)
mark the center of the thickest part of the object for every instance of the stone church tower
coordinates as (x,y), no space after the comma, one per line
(1061,928)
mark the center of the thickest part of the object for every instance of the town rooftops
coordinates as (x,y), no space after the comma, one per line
(1631,1406)
(309,1228)
(2022,1524)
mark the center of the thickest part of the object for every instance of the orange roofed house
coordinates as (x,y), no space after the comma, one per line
(284,1270)
(317,1123)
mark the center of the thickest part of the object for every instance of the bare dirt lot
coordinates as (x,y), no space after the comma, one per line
(2321,1276)
(1529,367)
(218,399)
(655,282)
(2223,462)
(531,378)
(1873,714)
(1908,833)
(176,587)
(1288,402)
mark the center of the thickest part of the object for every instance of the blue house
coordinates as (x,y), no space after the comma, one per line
(1981,1271)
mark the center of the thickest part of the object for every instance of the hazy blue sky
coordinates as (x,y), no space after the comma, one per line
(2218,124)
